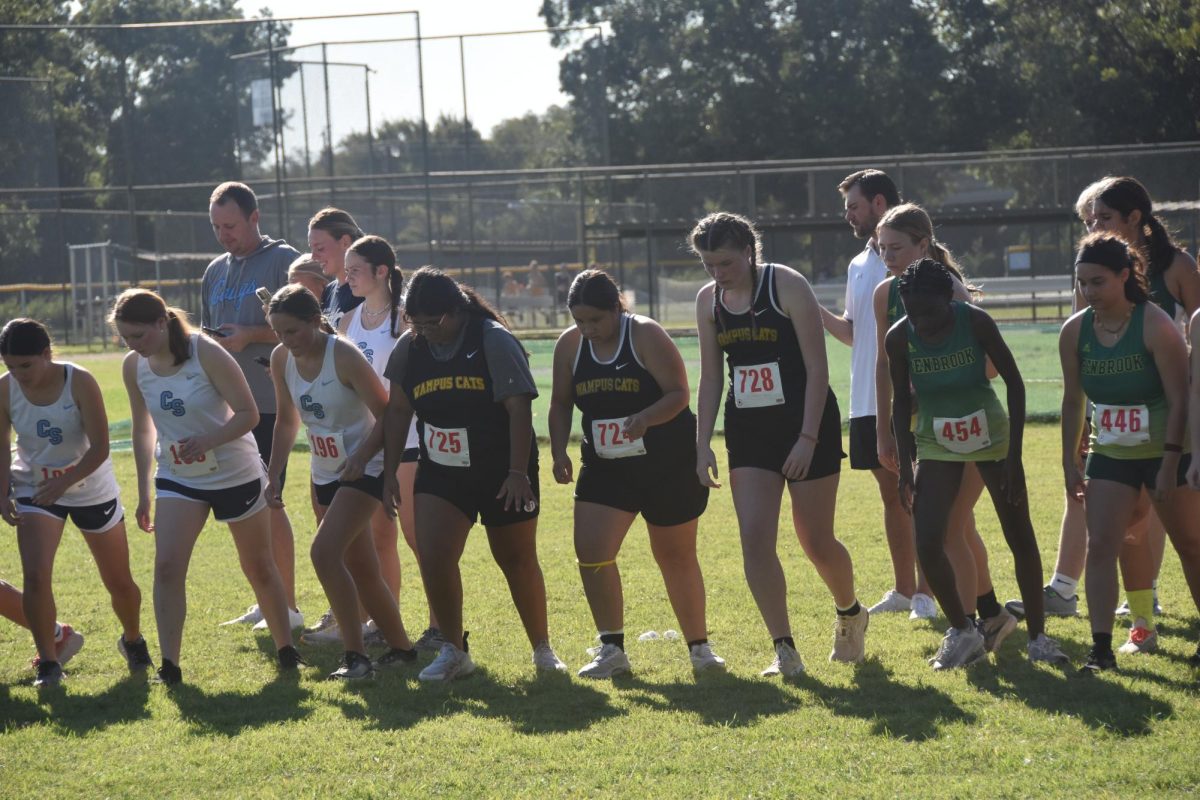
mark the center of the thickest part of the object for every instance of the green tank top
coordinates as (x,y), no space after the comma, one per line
(895,308)
(1161,295)
(1123,383)
(959,417)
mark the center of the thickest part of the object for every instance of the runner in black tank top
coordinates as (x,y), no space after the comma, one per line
(627,377)
(467,378)
(782,425)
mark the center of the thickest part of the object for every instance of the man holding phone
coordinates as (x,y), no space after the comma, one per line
(232,313)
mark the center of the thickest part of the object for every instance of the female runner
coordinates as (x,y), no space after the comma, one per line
(782,425)
(61,469)
(629,382)
(189,393)
(467,379)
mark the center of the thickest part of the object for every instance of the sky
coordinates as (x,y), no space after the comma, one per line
(505,76)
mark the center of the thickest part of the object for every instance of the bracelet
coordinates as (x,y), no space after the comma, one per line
(1172,448)
(810,437)
(524,475)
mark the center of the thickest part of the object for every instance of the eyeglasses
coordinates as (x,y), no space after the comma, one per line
(421,326)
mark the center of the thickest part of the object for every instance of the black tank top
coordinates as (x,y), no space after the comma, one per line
(615,389)
(457,394)
(763,355)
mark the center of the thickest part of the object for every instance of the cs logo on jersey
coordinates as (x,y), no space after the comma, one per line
(174,406)
(367,351)
(45,431)
(307,404)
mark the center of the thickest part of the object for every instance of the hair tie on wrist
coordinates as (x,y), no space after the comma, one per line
(1172,448)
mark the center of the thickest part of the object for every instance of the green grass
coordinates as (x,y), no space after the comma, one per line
(888,727)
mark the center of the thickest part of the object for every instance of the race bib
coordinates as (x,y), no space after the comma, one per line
(43,473)
(203,464)
(1124,426)
(447,446)
(609,441)
(757,386)
(328,452)
(962,434)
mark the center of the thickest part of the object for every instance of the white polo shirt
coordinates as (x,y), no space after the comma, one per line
(865,273)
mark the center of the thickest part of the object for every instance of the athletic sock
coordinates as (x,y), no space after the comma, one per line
(789,641)
(613,637)
(987,605)
(695,642)
(849,612)
(1141,604)
(58,633)
(1064,585)
(1102,641)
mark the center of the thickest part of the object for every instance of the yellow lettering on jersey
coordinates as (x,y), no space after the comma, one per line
(734,335)
(584,388)
(472,382)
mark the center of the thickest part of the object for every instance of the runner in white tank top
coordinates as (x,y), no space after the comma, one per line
(61,470)
(327,382)
(187,392)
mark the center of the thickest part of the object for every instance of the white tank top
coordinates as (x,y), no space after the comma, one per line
(377,344)
(187,404)
(50,441)
(338,421)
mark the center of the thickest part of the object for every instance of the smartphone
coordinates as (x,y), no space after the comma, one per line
(263,360)
(264,294)
(214,332)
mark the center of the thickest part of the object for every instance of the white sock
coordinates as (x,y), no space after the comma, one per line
(1064,585)
(58,632)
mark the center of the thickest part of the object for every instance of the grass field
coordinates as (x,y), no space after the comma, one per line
(887,727)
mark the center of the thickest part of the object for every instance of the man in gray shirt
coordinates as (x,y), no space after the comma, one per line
(230,310)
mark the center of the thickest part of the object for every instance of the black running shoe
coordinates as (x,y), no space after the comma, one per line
(169,674)
(49,673)
(290,658)
(136,653)
(1099,661)
(396,657)
(354,666)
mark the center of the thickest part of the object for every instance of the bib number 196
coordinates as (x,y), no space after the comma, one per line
(202,464)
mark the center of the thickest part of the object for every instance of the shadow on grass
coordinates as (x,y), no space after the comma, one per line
(894,709)
(720,699)
(77,714)
(548,703)
(230,713)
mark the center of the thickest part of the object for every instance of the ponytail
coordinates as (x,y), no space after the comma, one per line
(1112,252)
(144,307)
(723,229)
(914,222)
(1125,195)
(432,292)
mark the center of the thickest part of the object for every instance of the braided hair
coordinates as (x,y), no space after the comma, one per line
(725,229)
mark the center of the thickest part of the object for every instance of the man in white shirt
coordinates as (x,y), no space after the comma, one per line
(868,194)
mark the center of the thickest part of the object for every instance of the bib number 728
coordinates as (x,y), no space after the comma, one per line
(757,385)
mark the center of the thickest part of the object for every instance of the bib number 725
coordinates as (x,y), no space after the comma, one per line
(447,446)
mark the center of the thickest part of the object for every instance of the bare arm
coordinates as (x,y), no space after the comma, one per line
(885,442)
(712,381)
(799,302)
(998,354)
(839,328)
(1194,403)
(562,403)
(664,363)
(1072,406)
(355,372)
(7,509)
(1166,345)
(227,378)
(895,347)
(86,393)
(287,421)
(1183,278)
(143,436)
(517,489)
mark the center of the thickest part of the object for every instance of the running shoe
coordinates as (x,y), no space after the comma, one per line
(253,616)
(68,643)
(354,666)
(1043,648)
(136,654)
(1123,609)
(324,622)
(396,657)
(372,636)
(1141,639)
(923,607)
(1098,661)
(787,662)
(450,663)
(1054,604)
(959,648)
(289,658)
(430,641)
(295,620)
(49,673)
(704,659)
(610,661)
(996,629)
(545,660)
(890,602)
(329,635)
(169,674)
(850,637)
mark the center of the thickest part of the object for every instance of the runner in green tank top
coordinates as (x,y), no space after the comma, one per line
(952,339)
(1110,351)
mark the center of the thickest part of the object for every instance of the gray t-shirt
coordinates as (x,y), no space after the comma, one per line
(507,363)
(227,296)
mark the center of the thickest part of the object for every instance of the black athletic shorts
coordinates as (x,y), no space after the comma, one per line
(368,484)
(473,491)
(664,494)
(752,444)
(264,433)
(99,518)
(1135,472)
(410,455)
(228,505)
(864,446)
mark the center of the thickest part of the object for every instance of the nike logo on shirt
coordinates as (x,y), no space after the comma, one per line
(68,406)
(472,354)
(190,377)
(326,383)
(760,312)
(621,366)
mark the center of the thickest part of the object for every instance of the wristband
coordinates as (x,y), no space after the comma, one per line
(1172,448)
(810,437)
(524,475)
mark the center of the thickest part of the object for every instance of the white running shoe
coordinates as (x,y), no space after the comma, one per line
(450,663)
(850,636)
(1141,639)
(923,607)
(959,648)
(704,659)
(295,620)
(787,662)
(996,629)
(1043,648)
(545,660)
(324,622)
(610,660)
(253,616)
(890,602)
(330,635)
